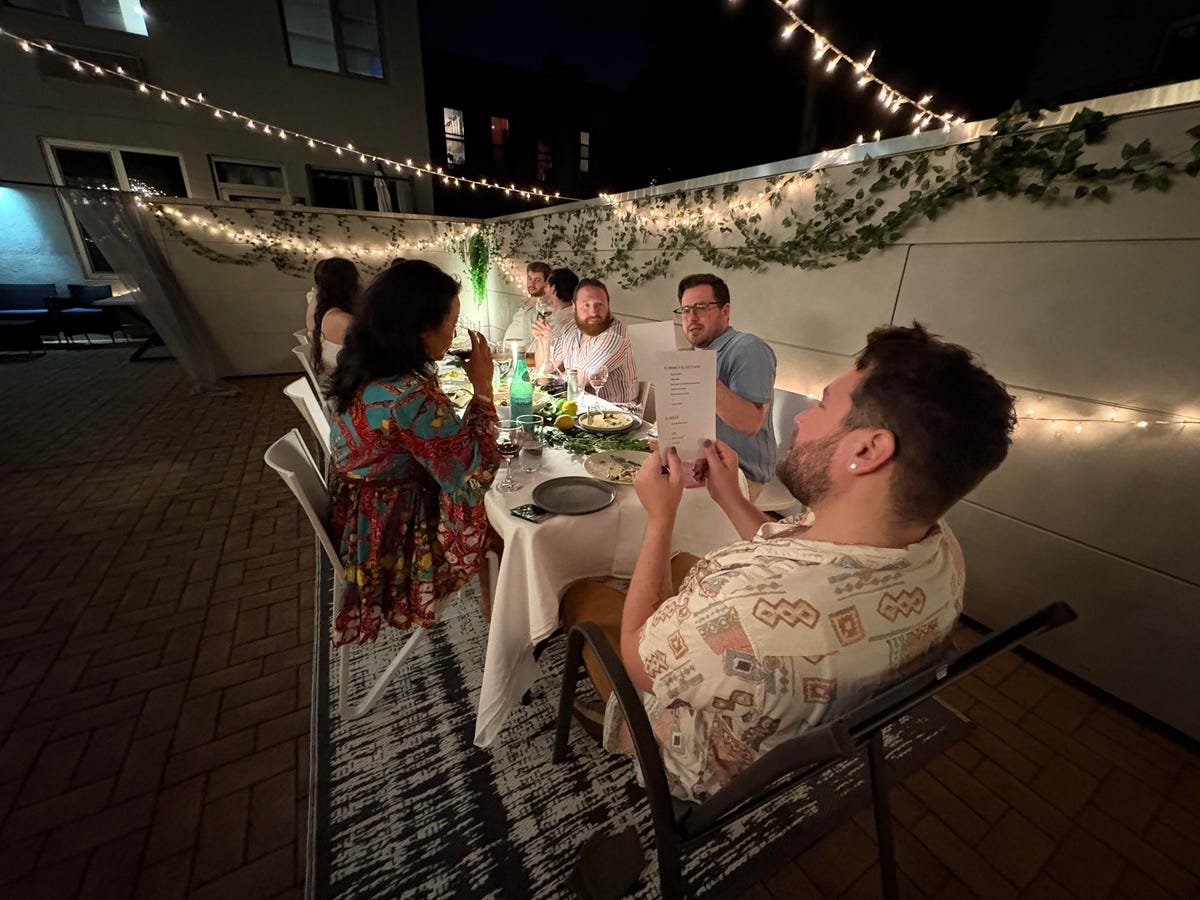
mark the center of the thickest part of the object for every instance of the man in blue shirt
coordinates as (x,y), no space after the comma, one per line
(745,375)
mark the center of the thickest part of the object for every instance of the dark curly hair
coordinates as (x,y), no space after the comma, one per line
(337,288)
(564,282)
(405,300)
(952,421)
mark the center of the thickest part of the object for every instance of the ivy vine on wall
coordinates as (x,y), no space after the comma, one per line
(841,223)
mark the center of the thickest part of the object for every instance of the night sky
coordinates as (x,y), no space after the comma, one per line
(709,85)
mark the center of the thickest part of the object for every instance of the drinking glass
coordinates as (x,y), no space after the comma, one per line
(530,424)
(509,436)
(531,443)
(575,384)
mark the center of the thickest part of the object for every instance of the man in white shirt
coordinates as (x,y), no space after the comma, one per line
(520,329)
(801,619)
(597,340)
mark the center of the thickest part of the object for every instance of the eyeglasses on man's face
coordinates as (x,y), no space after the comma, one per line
(696,309)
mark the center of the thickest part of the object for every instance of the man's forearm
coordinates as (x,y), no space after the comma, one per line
(650,585)
(737,412)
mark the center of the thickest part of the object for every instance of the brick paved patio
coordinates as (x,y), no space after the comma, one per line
(155,664)
(155,636)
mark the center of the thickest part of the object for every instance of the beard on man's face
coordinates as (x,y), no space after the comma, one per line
(806,470)
(593,327)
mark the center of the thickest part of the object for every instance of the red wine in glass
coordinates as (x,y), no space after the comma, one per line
(508,448)
(463,353)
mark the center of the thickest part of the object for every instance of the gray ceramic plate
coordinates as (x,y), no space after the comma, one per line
(573,495)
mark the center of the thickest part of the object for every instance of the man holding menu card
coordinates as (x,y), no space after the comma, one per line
(745,375)
(801,619)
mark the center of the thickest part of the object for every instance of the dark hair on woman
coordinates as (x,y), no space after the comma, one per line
(951,420)
(337,288)
(404,301)
(564,282)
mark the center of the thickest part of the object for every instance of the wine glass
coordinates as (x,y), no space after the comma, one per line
(460,344)
(509,436)
(503,362)
(597,378)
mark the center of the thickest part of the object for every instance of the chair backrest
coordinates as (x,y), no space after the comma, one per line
(26,296)
(792,760)
(85,294)
(301,336)
(784,407)
(646,398)
(290,458)
(301,393)
(303,354)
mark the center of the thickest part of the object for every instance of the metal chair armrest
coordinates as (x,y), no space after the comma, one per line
(645,746)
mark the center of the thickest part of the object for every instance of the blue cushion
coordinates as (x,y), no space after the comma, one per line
(26,296)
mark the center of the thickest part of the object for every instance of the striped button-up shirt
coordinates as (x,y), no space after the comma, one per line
(575,350)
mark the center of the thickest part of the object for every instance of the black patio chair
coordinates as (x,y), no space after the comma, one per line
(680,826)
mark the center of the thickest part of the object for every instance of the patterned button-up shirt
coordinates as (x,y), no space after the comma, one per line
(574,350)
(770,636)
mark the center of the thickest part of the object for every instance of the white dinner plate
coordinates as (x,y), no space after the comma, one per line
(615,466)
(607,421)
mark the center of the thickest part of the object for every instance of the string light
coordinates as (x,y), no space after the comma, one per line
(218,112)
(439,242)
(892,98)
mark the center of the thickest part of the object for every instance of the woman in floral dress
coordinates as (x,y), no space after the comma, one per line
(408,476)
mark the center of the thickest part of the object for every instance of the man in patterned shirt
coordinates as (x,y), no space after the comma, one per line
(597,340)
(802,618)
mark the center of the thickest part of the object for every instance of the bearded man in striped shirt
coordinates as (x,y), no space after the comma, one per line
(597,340)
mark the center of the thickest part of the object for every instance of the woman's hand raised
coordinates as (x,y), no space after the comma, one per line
(478,367)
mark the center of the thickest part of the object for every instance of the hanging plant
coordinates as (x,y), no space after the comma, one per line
(477,266)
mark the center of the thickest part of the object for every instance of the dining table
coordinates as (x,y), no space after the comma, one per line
(541,560)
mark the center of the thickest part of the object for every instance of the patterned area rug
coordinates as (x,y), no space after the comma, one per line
(406,806)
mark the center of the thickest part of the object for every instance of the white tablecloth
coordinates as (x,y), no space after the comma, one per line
(542,560)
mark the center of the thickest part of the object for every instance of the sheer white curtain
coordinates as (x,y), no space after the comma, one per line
(123,232)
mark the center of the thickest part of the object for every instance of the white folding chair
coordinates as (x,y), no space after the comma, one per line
(784,407)
(301,336)
(301,393)
(302,354)
(290,458)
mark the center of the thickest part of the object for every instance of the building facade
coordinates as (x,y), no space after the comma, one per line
(339,70)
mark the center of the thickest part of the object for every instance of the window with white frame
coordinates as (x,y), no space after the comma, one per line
(119,15)
(334,36)
(335,189)
(250,180)
(82,164)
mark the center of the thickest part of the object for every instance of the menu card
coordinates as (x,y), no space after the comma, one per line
(685,399)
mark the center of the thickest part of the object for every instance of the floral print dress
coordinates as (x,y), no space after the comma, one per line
(407,509)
